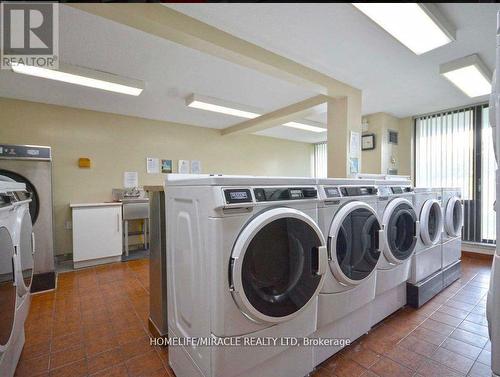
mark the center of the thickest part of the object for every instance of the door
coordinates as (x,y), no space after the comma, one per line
(354,243)
(431,222)
(400,230)
(453,217)
(25,252)
(7,287)
(277,265)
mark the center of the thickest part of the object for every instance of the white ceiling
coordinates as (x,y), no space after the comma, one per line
(333,38)
(340,41)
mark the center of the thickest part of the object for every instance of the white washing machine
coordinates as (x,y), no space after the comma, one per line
(428,257)
(453,219)
(348,218)
(400,227)
(245,259)
(493,301)
(16,251)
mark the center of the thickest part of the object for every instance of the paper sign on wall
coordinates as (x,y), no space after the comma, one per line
(130,179)
(152,165)
(184,166)
(355,144)
(195,167)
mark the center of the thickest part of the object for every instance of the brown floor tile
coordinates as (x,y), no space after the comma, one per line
(446,318)
(464,349)
(421,347)
(389,368)
(474,328)
(143,364)
(78,369)
(439,327)
(33,367)
(105,360)
(468,337)
(452,360)
(67,356)
(429,336)
(362,355)
(343,367)
(66,342)
(136,347)
(459,305)
(479,319)
(459,313)
(97,345)
(431,368)
(407,358)
(480,370)
(114,371)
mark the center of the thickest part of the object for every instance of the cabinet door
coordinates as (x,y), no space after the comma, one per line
(97,232)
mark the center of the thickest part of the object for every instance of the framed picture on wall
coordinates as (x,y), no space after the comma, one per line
(367,142)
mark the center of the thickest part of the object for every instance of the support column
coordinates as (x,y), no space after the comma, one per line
(343,116)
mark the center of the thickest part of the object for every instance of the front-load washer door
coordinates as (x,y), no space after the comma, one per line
(453,217)
(277,265)
(30,188)
(400,230)
(25,253)
(431,222)
(354,243)
(7,287)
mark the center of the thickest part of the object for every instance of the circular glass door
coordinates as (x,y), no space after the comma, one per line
(400,225)
(431,222)
(7,287)
(354,243)
(35,201)
(26,250)
(277,265)
(454,217)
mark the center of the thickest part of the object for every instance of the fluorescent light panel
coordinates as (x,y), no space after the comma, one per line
(469,74)
(228,108)
(84,77)
(420,27)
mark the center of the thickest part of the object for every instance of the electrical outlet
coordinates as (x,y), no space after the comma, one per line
(68,225)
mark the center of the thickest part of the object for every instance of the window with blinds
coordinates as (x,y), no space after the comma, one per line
(320,160)
(454,149)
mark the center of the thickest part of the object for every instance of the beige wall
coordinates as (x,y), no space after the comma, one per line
(117,143)
(385,155)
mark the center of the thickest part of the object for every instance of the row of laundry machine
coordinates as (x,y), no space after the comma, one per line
(16,270)
(279,259)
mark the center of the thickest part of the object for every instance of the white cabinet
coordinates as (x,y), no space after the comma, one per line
(97,233)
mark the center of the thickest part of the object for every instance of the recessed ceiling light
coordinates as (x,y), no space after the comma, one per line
(469,74)
(85,77)
(420,27)
(224,107)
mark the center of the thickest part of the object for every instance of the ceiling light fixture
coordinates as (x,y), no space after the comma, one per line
(469,74)
(420,27)
(224,107)
(85,77)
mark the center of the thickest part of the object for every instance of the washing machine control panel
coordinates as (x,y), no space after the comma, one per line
(233,196)
(332,192)
(271,194)
(358,190)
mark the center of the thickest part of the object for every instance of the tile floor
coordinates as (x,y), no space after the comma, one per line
(95,324)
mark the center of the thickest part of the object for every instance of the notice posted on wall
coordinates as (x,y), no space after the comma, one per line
(184,166)
(152,165)
(130,179)
(195,167)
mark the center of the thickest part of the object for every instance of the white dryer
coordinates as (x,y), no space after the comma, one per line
(453,219)
(347,216)
(15,240)
(400,227)
(245,260)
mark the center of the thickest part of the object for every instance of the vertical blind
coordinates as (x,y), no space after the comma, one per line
(320,159)
(454,149)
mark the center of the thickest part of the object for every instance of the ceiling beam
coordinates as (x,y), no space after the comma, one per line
(177,27)
(274,118)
